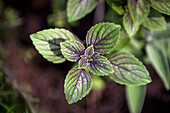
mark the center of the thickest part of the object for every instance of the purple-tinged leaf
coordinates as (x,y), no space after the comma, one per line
(128,70)
(103,37)
(47,42)
(82,63)
(77,85)
(138,9)
(162,6)
(72,50)
(100,65)
(130,26)
(89,51)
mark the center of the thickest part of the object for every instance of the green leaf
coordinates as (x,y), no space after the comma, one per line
(72,50)
(135,96)
(130,26)
(128,70)
(155,21)
(82,63)
(116,6)
(77,9)
(159,62)
(139,10)
(77,85)
(163,7)
(47,42)
(103,37)
(100,65)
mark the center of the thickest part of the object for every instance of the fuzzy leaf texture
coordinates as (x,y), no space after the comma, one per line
(128,70)
(130,26)
(162,6)
(72,50)
(47,42)
(77,9)
(77,85)
(139,10)
(100,65)
(155,21)
(103,37)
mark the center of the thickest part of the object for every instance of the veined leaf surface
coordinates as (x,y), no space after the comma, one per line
(77,9)
(103,37)
(100,65)
(155,21)
(139,10)
(47,42)
(128,70)
(161,6)
(77,85)
(130,26)
(72,50)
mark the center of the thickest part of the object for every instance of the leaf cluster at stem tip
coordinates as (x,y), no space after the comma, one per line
(56,45)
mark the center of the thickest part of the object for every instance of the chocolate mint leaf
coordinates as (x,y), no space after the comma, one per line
(155,21)
(138,9)
(161,6)
(47,42)
(103,37)
(72,50)
(77,85)
(77,9)
(100,65)
(130,26)
(128,70)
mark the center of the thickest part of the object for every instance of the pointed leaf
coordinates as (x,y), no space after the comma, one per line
(130,26)
(155,21)
(115,5)
(77,85)
(160,63)
(100,65)
(103,37)
(47,42)
(72,50)
(82,63)
(161,6)
(135,96)
(89,51)
(139,10)
(128,70)
(77,9)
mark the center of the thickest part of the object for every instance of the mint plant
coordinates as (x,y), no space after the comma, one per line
(57,45)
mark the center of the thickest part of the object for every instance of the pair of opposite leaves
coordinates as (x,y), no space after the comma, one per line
(56,45)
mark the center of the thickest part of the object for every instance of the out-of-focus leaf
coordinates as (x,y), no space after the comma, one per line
(161,6)
(128,70)
(77,85)
(138,9)
(135,96)
(168,50)
(77,9)
(98,83)
(160,63)
(47,42)
(116,6)
(155,21)
(130,26)
(103,37)
(72,50)
(161,34)
(100,65)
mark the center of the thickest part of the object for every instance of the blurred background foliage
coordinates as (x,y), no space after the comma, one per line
(37,86)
